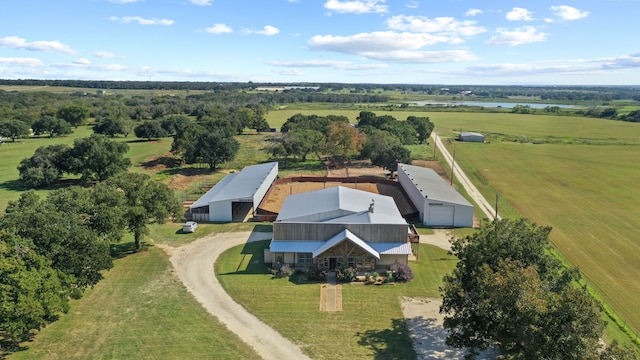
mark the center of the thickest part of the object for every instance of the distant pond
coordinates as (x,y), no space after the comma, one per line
(491,104)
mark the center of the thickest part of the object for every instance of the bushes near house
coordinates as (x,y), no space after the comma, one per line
(346,275)
(317,273)
(401,272)
(282,271)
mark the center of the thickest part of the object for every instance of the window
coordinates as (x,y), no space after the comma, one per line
(279,258)
(305,258)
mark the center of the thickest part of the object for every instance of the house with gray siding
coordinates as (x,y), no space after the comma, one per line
(339,227)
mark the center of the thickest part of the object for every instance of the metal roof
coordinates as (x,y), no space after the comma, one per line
(239,186)
(302,246)
(467,133)
(336,204)
(294,246)
(432,186)
(392,248)
(346,235)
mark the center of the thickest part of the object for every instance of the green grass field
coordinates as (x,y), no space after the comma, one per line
(587,193)
(371,325)
(140,310)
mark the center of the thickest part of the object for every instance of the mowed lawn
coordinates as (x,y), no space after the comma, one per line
(140,310)
(371,325)
(587,193)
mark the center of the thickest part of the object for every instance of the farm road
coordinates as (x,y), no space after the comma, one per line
(194,266)
(464,180)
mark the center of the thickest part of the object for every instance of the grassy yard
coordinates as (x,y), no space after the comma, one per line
(587,193)
(140,310)
(371,324)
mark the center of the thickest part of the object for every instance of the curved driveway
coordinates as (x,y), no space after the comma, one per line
(194,265)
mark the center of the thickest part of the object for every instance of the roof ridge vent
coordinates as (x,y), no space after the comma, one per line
(371,206)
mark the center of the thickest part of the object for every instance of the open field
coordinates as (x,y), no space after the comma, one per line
(371,325)
(587,193)
(140,310)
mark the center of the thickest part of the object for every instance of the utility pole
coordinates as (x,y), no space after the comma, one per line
(496,218)
(453,164)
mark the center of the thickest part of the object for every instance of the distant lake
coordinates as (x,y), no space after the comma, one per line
(490,104)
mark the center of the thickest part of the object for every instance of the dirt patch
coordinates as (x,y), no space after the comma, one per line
(353,168)
(161,162)
(276,196)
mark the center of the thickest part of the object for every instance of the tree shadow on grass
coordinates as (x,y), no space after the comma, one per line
(123,249)
(12,185)
(391,343)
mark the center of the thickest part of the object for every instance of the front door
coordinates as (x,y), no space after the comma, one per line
(332,263)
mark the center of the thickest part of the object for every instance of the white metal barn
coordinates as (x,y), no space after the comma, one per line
(235,193)
(438,203)
(471,137)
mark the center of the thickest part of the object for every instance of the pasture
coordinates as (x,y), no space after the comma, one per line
(587,193)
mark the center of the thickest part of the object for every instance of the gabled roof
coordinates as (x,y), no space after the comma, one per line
(239,186)
(432,186)
(346,235)
(468,133)
(338,203)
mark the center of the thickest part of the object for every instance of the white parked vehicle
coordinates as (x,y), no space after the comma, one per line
(189,226)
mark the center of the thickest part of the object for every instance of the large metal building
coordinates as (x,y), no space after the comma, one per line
(438,203)
(235,195)
(339,227)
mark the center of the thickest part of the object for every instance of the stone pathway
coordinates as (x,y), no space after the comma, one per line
(331,294)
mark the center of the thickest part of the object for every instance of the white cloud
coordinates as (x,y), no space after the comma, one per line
(439,25)
(624,61)
(379,41)
(568,13)
(473,12)
(201,2)
(141,20)
(268,31)
(290,72)
(218,29)
(423,57)
(338,65)
(519,36)
(391,46)
(412,5)
(24,62)
(519,14)
(104,54)
(357,6)
(82,61)
(48,46)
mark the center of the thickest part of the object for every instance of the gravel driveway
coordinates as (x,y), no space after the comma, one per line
(194,266)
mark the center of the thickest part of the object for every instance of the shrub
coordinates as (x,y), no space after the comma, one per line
(389,278)
(283,271)
(317,272)
(346,275)
(402,272)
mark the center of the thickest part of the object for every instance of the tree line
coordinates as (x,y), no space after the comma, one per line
(379,138)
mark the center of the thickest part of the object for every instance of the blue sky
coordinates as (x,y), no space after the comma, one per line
(541,42)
